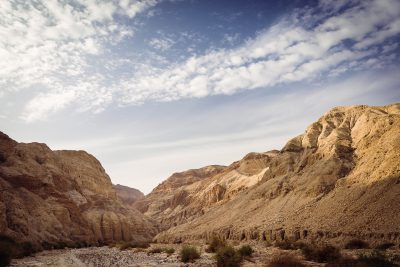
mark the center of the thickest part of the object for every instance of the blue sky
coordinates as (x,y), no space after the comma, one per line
(153,87)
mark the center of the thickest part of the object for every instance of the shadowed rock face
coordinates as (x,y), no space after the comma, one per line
(63,196)
(338,180)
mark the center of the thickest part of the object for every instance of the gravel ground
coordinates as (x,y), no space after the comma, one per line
(105,257)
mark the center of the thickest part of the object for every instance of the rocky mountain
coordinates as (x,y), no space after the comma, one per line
(338,180)
(128,195)
(62,196)
(187,195)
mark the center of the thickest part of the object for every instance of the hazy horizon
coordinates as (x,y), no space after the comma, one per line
(156,87)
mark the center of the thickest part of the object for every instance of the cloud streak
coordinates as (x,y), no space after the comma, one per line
(55,46)
(289,51)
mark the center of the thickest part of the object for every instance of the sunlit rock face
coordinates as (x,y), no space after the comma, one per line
(338,180)
(62,196)
(187,195)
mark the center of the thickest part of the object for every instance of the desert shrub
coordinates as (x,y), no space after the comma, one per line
(285,244)
(285,260)
(10,249)
(169,251)
(300,245)
(215,244)
(372,260)
(323,253)
(47,245)
(228,257)
(385,246)
(344,262)
(61,245)
(7,249)
(155,250)
(133,244)
(7,239)
(5,255)
(246,251)
(189,254)
(356,244)
(375,259)
(125,246)
(112,245)
(83,244)
(26,249)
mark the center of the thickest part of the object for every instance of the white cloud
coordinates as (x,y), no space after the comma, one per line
(42,104)
(50,44)
(162,44)
(46,44)
(286,52)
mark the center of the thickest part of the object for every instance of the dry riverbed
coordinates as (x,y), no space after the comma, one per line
(105,256)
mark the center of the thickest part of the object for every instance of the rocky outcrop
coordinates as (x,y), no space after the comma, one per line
(62,196)
(187,195)
(128,195)
(338,180)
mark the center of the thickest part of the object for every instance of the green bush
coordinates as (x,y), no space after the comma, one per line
(246,251)
(356,244)
(228,257)
(285,260)
(189,254)
(215,244)
(325,253)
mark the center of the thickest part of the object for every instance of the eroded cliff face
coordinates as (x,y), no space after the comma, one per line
(62,196)
(338,180)
(187,195)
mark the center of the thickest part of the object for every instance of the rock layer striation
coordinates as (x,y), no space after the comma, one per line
(62,196)
(339,180)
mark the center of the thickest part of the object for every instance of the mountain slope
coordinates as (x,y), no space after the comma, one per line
(186,195)
(338,180)
(128,195)
(61,196)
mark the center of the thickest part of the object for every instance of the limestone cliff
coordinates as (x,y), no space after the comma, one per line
(187,195)
(61,196)
(338,180)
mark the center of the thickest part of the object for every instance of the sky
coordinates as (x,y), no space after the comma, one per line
(160,86)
